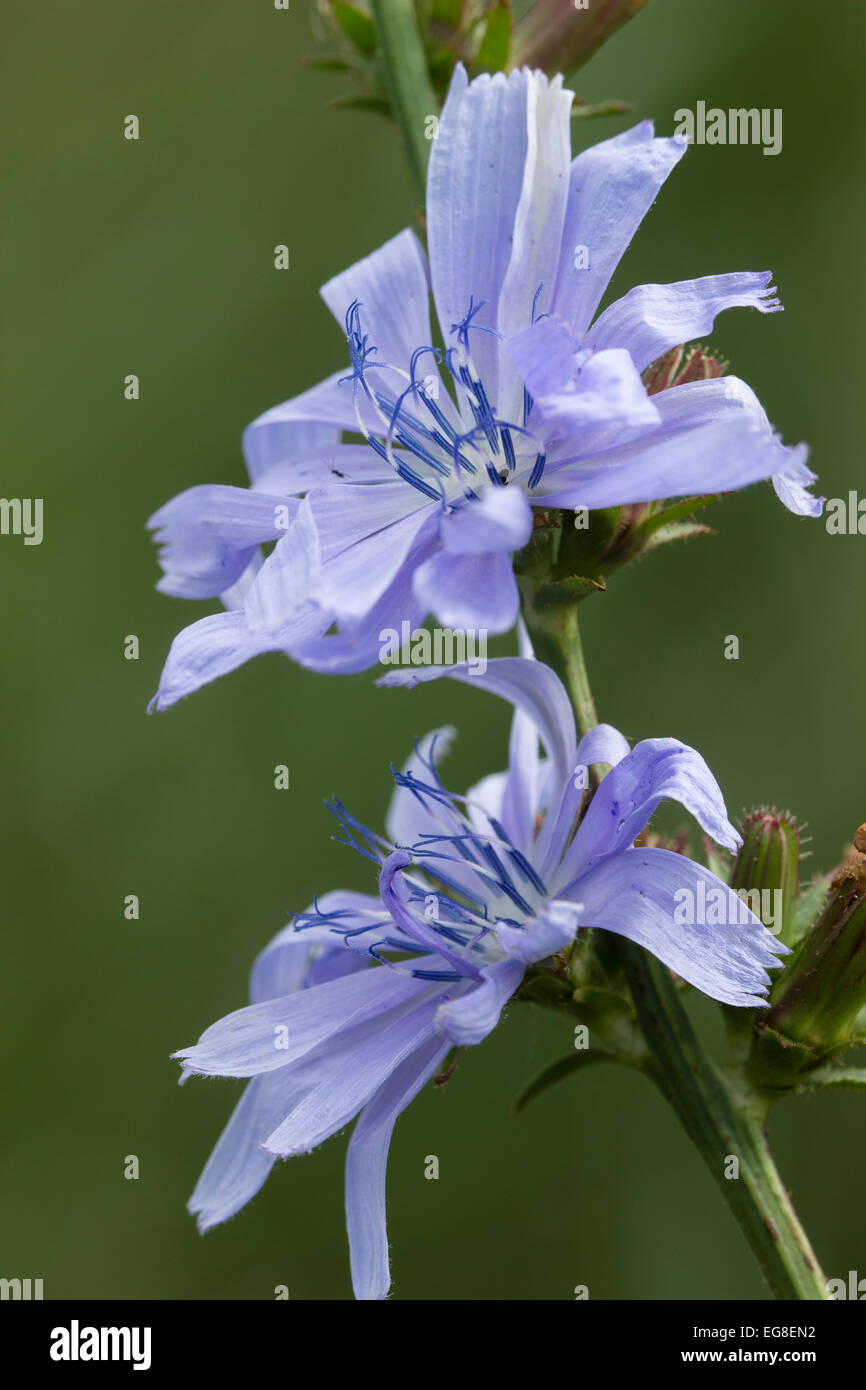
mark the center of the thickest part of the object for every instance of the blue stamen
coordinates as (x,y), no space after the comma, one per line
(502,880)
(353,845)
(349,823)
(520,860)
(517,898)
(508,446)
(480,406)
(378,447)
(408,476)
(419,789)
(448,431)
(449,975)
(537,470)
(499,874)
(409,423)
(462,328)
(420,452)
(438,414)
(302,920)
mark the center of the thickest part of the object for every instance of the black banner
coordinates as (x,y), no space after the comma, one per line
(67,1338)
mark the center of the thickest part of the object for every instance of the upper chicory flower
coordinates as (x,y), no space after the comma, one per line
(533,403)
(357,1002)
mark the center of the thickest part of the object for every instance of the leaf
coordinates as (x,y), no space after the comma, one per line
(559,1071)
(492,56)
(357,26)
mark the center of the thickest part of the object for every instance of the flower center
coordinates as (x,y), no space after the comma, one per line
(442,895)
(446,454)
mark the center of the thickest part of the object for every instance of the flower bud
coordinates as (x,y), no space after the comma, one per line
(767,870)
(679,365)
(817,1000)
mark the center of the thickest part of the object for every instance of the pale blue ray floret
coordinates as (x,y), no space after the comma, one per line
(533,401)
(356,1003)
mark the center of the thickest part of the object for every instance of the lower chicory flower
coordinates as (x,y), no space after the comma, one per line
(356,1003)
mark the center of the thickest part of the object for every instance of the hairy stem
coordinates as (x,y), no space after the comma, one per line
(724,1126)
(721,1116)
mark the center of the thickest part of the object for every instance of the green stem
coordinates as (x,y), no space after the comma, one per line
(723,1119)
(723,1124)
(556,642)
(407,78)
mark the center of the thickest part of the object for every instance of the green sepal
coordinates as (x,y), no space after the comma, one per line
(810,903)
(675,512)
(597,1001)
(583,549)
(842,1067)
(779,1064)
(538,556)
(674,531)
(611,1016)
(566,591)
(850,1077)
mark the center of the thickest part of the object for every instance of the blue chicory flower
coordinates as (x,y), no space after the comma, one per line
(547,407)
(356,1003)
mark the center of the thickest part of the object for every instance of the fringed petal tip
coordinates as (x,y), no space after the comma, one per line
(203,1223)
(792,483)
(768,302)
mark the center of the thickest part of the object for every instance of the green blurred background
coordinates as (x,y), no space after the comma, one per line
(156,258)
